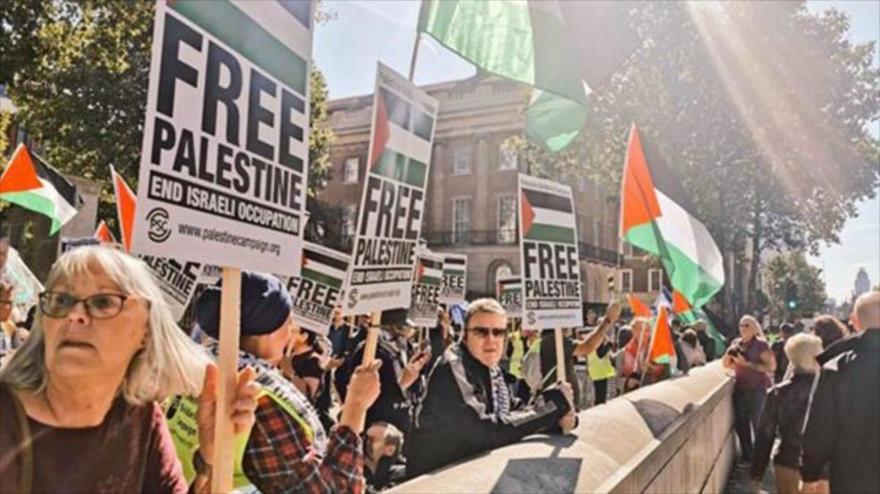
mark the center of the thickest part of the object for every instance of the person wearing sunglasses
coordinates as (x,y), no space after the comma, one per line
(752,361)
(79,401)
(469,407)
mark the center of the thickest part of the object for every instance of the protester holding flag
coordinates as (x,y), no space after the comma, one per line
(752,361)
(287,449)
(635,354)
(80,399)
(469,407)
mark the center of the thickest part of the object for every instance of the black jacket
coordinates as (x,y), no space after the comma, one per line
(708,344)
(393,404)
(457,419)
(778,349)
(783,417)
(843,425)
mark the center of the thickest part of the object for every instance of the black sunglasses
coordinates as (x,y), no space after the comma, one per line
(98,306)
(484,332)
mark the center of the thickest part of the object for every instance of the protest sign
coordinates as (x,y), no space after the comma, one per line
(223,172)
(393,200)
(317,292)
(549,255)
(454,279)
(224,162)
(508,291)
(176,279)
(27,286)
(67,244)
(426,287)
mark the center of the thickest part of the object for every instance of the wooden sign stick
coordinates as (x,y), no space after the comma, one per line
(230,316)
(372,338)
(560,356)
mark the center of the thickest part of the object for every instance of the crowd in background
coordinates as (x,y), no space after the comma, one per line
(102,354)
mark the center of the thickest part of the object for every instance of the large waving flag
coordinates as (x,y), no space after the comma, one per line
(32,184)
(563,48)
(653,217)
(126,204)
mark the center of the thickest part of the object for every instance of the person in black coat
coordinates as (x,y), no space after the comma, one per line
(468,406)
(784,412)
(843,425)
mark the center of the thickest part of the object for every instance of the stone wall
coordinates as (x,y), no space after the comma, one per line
(674,436)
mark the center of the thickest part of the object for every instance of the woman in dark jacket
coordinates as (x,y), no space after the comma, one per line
(784,413)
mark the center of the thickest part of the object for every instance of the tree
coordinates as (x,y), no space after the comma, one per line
(760,107)
(794,287)
(83,90)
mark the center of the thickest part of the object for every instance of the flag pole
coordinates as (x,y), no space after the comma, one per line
(650,345)
(415,56)
(230,316)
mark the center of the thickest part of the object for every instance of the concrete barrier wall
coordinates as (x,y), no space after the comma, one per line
(674,436)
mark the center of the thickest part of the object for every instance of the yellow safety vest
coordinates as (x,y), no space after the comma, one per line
(517,355)
(600,367)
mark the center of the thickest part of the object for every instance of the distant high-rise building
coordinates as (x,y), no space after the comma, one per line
(863,283)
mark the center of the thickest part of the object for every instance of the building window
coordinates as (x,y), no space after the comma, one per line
(507,155)
(351,169)
(626,280)
(506,219)
(461,220)
(461,164)
(655,279)
(349,217)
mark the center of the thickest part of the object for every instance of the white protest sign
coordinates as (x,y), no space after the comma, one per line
(393,200)
(176,279)
(426,288)
(454,279)
(549,255)
(318,291)
(223,172)
(508,292)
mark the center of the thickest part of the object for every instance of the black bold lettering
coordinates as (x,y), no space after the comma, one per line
(290,103)
(373,185)
(171,68)
(415,214)
(242,181)
(386,207)
(224,164)
(530,258)
(163,138)
(545,261)
(186,153)
(258,114)
(215,93)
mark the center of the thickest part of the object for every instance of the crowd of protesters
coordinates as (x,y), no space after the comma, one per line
(103,369)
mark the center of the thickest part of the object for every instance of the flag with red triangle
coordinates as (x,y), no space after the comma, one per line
(662,347)
(31,183)
(103,233)
(638,307)
(126,204)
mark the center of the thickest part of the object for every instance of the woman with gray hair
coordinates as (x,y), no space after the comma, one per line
(80,398)
(784,413)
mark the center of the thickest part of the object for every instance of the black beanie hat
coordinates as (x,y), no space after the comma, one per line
(265,305)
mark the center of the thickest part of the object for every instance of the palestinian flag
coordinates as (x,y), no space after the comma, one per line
(662,349)
(638,307)
(654,217)
(562,48)
(126,204)
(32,184)
(321,266)
(429,272)
(454,265)
(103,233)
(400,131)
(547,217)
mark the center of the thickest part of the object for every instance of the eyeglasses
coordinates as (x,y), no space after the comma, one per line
(484,332)
(99,306)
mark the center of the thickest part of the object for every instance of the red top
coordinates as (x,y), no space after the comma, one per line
(130,451)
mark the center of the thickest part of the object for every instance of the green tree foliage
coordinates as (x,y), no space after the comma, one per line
(82,87)
(760,107)
(794,287)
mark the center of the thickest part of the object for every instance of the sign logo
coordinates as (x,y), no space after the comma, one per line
(157,221)
(530,316)
(352,298)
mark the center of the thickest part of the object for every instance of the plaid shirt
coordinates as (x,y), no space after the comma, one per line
(279,458)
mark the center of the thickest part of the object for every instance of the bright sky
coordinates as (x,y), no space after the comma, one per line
(366,31)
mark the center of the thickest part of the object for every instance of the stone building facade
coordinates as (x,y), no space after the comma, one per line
(471,199)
